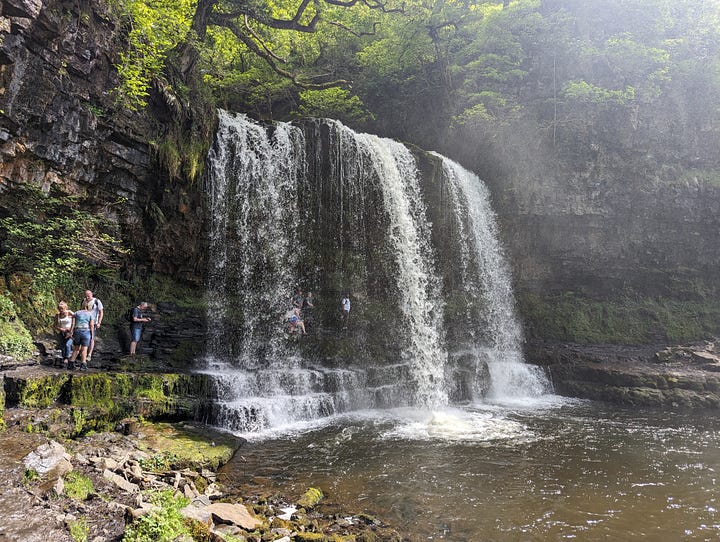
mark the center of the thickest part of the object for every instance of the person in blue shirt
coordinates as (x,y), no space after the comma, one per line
(83,330)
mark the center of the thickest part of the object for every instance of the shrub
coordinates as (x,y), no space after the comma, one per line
(163,524)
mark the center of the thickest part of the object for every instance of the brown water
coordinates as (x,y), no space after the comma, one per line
(562,471)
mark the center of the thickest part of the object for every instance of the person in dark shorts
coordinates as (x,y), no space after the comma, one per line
(137,325)
(82,332)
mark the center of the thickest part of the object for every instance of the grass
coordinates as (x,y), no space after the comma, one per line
(78,486)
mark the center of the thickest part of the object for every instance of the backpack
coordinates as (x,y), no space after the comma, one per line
(129,315)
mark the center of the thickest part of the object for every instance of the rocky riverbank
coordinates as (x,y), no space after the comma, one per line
(74,469)
(679,377)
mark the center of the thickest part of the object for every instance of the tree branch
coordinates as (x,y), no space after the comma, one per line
(271,60)
(262,43)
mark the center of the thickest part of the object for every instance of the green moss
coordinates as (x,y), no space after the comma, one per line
(79,530)
(187,446)
(570,317)
(77,486)
(310,498)
(39,392)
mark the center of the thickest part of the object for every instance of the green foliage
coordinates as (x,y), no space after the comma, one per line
(183,157)
(30,476)
(79,530)
(587,93)
(161,525)
(79,421)
(333,103)
(51,247)
(78,486)
(15,339)
(158,462)
(154,28)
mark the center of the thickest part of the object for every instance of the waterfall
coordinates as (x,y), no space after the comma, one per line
(323,208)
(487,278)
(408,235)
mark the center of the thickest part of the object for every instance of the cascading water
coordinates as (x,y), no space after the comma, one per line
(325,208)
(420,301)
(487,278)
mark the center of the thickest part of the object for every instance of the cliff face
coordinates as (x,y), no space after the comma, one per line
(594,218)
(628,217)
(61,132)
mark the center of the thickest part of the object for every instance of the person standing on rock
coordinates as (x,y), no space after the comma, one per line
(94,305)
(345,304)
(63,329)
(83,330)
(137,325)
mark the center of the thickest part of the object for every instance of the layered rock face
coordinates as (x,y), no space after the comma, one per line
(608,214)
(61,132)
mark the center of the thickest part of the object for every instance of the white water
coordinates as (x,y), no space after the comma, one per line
(253,207)
(487,277)
(394,167)
(256,178)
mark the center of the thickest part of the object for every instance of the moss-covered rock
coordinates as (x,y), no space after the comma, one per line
(310,498)
(99,400)
(39,391)
(188,446)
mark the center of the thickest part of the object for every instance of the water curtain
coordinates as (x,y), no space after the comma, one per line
(319,206)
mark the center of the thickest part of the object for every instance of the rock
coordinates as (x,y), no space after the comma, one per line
(236,514)
(198,513)
(704,357)
(121,482)
(80,459)
(310,498)
(49,460)
(59,487)
(189,492)
(201,500)
(108,463)
(137,473)
(27,9)
(223,530)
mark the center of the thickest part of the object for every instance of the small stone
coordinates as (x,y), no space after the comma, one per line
(121,482)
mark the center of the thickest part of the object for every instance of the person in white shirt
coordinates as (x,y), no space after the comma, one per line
(95,306)
(345,303)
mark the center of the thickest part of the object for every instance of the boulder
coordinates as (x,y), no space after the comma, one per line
(236,514)
(49,460)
